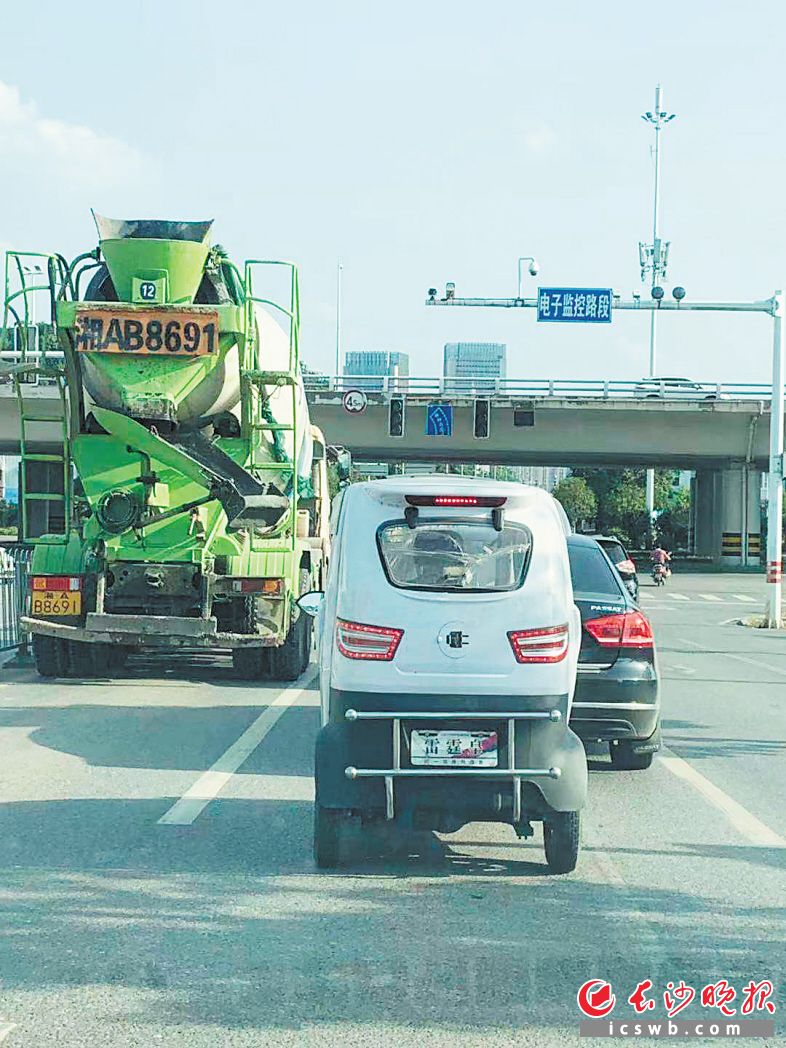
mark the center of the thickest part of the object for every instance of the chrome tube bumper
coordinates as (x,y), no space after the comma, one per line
(511,772)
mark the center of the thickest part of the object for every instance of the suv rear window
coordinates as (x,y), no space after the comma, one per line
(448,555)
(591,572)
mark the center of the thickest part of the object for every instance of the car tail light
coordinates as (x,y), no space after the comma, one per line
(56,583)
(492,502)
(356,640)
(268,587)
(627,567)
(548,644)
(629,629)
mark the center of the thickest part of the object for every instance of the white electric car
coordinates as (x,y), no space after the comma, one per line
(448,646)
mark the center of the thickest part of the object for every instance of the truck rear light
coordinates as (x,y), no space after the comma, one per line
(627,567)
(628,629)
(356,640)
(56,583)
(547,644)
(268,587)
(488,501)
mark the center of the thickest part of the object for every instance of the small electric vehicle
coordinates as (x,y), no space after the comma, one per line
(448,647)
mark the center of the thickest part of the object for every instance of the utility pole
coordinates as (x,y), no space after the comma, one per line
(654,258)
(339,271)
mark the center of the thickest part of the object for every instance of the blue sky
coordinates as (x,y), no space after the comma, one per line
(421,143)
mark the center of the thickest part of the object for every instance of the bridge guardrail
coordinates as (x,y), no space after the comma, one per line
(599,389)
(14,573)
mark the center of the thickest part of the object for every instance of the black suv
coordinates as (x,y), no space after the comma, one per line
(616,698)
(618,556)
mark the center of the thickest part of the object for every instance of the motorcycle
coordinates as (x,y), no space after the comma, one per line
(660,572)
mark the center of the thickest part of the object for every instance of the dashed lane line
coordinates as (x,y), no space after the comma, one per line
(780,670)
(744,822)
(207,787)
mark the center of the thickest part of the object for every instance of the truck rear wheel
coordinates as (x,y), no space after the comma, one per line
(50,655)
(250,663)
(286,661)
(561,832)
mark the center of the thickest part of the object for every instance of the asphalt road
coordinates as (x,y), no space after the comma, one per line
(213,927)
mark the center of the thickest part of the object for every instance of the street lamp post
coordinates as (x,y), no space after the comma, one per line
(654,259)
(339,271)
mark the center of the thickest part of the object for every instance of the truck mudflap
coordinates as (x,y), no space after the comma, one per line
(150,631)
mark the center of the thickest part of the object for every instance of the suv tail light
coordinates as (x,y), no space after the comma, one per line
(355,640)
(548,644)
(629,629)
(627,567)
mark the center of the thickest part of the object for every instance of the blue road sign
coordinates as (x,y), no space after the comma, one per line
(575,305)
(439,420)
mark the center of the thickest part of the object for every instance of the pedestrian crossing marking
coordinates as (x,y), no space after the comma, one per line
(678,596)
(747,600)
(709,596)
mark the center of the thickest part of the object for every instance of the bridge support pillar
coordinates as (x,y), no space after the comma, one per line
(727,516)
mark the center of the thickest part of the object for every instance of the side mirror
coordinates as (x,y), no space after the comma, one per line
(311,602)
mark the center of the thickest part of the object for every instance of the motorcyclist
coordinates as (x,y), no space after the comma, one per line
(661,557)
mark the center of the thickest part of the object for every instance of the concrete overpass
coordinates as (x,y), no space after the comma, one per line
(719,431)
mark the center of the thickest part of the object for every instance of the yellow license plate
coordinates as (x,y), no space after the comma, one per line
(148,332)
(52,602)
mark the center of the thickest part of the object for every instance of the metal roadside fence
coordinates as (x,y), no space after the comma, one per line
(14,569)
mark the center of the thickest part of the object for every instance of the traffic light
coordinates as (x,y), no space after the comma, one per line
(482,421)
(396,417)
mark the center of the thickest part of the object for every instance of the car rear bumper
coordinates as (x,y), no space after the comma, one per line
(621,702)
(358,766)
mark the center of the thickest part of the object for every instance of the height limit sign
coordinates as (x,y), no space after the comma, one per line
(575,305)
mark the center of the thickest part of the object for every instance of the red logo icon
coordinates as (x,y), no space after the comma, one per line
(596,999)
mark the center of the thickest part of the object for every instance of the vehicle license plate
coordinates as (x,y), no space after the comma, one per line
(147,332)
(471,749)
(51,602)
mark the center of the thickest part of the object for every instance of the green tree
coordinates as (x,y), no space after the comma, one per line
(577,498)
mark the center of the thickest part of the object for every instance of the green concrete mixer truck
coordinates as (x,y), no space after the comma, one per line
(179,500)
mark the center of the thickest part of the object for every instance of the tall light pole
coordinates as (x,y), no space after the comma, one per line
(654,258)
(339,271)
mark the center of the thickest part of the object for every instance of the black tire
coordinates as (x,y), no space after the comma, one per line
(102,659)
(327,837)
(50,656)
(286,661)
(623,757)
(561,833)
(80,659)
(308,634)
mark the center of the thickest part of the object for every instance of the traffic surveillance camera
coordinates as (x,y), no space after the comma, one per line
(679,293)
(637,295)
(657,293)
(450,290)
(432,292)
(534,268)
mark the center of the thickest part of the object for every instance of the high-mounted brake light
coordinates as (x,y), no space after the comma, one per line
(627,567)
(356,640)
(547,644)
(56,583)
(486,501)
(628,629)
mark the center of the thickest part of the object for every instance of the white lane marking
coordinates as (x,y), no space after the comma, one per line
(681,669)
(738,658)
(678,596)
(743,821)
(194,801)
(744,599)
(709,596)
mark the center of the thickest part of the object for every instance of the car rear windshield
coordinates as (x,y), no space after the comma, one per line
(615,551)
(470,556)
(591,572)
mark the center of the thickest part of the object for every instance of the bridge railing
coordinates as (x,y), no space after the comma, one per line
(510,388)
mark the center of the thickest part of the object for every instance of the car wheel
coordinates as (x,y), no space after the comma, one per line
(327,837)
(561,832)
(624,758)
(50,655)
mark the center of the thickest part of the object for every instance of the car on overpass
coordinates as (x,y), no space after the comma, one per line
(685,388)
(617,697)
